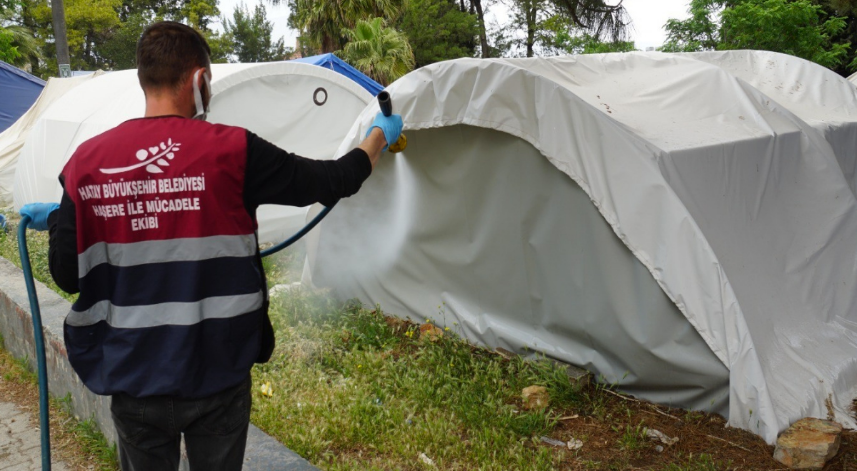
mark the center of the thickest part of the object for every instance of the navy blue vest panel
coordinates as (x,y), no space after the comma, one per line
(168,282)
(191,361)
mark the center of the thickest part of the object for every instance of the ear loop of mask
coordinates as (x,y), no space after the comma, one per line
(201,109)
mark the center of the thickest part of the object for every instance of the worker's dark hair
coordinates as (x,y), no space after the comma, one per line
(167,52)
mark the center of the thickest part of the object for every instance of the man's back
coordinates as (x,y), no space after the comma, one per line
(172,295)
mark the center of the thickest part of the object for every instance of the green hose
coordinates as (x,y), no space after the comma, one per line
(298,235)
(44,418)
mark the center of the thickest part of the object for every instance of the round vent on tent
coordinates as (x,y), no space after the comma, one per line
(319,97)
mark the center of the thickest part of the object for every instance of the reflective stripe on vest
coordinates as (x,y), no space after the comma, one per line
(173,250)
(131,317)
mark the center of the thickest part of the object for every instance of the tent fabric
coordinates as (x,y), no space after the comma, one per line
(736,206)
(817,95)
(19,90)
(302,108)
(13,138)
(330,61)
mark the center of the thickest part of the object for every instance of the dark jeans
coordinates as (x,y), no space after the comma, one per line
(214,428)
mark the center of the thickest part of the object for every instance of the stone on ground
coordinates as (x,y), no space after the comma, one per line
(535,397)
(808,444)
(577,377)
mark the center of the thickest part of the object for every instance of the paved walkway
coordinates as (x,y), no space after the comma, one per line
(20,445)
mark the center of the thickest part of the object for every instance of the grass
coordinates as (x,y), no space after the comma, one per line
(89,436)
(354,390)
(37,244)
(633,438)
(285,267)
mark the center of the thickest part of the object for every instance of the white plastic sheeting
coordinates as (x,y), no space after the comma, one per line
(734,205)
(302,108)
(13,138)
(815,94)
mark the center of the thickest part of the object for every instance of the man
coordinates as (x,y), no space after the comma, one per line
(156,230)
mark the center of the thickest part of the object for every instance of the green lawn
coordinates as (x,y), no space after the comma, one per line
(354,390)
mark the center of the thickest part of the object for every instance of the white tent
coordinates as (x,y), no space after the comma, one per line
(302,108)
(678,224)
(13,138)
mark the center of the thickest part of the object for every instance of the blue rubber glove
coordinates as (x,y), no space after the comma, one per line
(39,212)
(391,125)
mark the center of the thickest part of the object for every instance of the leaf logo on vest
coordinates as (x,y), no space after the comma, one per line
(152,158)
(140,200)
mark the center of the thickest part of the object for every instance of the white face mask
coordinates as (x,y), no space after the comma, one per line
(201,110)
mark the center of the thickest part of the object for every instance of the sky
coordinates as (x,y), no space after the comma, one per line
(648,18)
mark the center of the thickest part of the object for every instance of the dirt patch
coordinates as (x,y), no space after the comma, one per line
(614,439)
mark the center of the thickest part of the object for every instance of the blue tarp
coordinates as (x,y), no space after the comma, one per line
(336,64)
(18,91)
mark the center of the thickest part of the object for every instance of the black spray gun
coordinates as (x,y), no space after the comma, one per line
(386,105)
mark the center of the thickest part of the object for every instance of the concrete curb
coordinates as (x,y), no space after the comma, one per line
(16,325)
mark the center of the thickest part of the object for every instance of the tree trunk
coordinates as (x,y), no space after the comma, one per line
(483,34)
(329,44)
(532,15)
(58,14)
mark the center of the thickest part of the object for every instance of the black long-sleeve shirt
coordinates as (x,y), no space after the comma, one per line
(272,176)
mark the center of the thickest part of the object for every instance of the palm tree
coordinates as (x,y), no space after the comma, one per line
(26,45)
(378,51)
(27,48)
(321,21)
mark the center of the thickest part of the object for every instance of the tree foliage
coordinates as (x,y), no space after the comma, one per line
(447,29)
(438,30)
(532,17)
(797,27)
(250,34)
(8,50)
(700,32)
(588,44)
(103,34)
(848,10)
(321,22)
(18,44)
(378,51)
(535,25)
(542,28)
(601,19)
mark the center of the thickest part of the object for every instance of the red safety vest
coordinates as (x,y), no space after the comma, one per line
(172,292)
